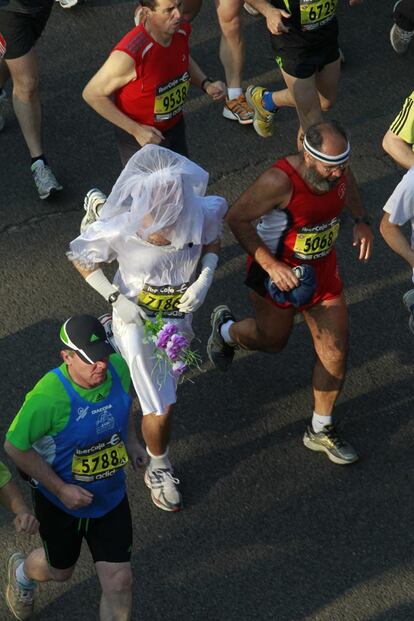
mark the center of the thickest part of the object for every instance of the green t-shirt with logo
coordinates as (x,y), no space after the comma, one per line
(46,408)
(5,475)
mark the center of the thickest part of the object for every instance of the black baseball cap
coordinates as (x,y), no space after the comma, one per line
(86,335)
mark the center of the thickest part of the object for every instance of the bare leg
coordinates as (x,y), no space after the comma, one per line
(156,431)
(328,324)
(116,584)
(231,44)
(37,568)
(26,99)
(327,82)
(269,331)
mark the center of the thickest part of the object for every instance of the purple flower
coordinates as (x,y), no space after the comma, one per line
(178,368)
(175,346)
(165,334)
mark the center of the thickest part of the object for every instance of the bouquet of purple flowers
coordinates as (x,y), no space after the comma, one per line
(170,346)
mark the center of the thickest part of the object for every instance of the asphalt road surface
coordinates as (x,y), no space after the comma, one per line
(270,530)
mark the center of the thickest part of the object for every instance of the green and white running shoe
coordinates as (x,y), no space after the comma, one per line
(92,203)
(328,441)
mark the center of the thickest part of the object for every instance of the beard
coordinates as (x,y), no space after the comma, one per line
(316,180)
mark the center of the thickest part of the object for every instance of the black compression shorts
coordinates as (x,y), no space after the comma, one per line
(304,62)
(22,30)
(109,537)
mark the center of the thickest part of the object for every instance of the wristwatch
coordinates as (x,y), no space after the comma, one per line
(204,82)
(114,296)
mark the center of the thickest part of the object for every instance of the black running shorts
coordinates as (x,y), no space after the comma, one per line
(22,30)
(304,62)
(109,537)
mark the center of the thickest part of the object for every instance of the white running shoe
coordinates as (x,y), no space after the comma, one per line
(164,492)
(106,321)
(94,199)
(19,600)
(67,4)
(45,181)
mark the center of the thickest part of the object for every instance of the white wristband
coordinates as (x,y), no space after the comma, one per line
(98,281)
(209,260)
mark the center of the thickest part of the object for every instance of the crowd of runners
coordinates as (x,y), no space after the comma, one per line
(76,430)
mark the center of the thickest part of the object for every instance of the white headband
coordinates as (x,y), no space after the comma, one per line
(327,159)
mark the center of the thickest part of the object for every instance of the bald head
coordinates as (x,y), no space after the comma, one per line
(328,137)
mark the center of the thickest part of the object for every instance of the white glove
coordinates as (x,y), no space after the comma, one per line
(128,311)
(196,293)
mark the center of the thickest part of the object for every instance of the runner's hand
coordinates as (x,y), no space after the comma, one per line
(216,90)
(74,496)
(363,237)
(145,134)
(25,522)
(274,20)
(137,455)
(196,293)
(128,311)
(283,276)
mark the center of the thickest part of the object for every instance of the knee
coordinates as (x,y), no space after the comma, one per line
(25,87)
(120,581)
(231,28)
(334,354)
(272,346)
(61,575)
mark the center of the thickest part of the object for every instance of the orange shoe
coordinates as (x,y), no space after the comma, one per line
(238,110)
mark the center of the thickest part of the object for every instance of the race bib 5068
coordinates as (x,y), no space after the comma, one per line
(316,13)
(314,242)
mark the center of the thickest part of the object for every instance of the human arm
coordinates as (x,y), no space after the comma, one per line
(272,15)
(136,453)
(128,311)
(216,89)
(117,71)
(196,293)
(33,464)
(271,190)
(12,499)
(397,148)
(396,239)
(363,236)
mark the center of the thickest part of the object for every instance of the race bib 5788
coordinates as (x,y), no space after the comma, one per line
(99,461)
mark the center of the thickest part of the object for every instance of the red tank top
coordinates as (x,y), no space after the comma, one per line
(157,95)
(313,219)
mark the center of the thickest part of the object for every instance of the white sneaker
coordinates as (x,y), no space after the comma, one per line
(94,199)
(106,321)
(45,180)
(164,493)
(67,4)
(3,103)
(19,600)
(400,39)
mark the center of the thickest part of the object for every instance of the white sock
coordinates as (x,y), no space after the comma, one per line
(319,422)
(233,93)
(22,579)
(158,461)
(224,331)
